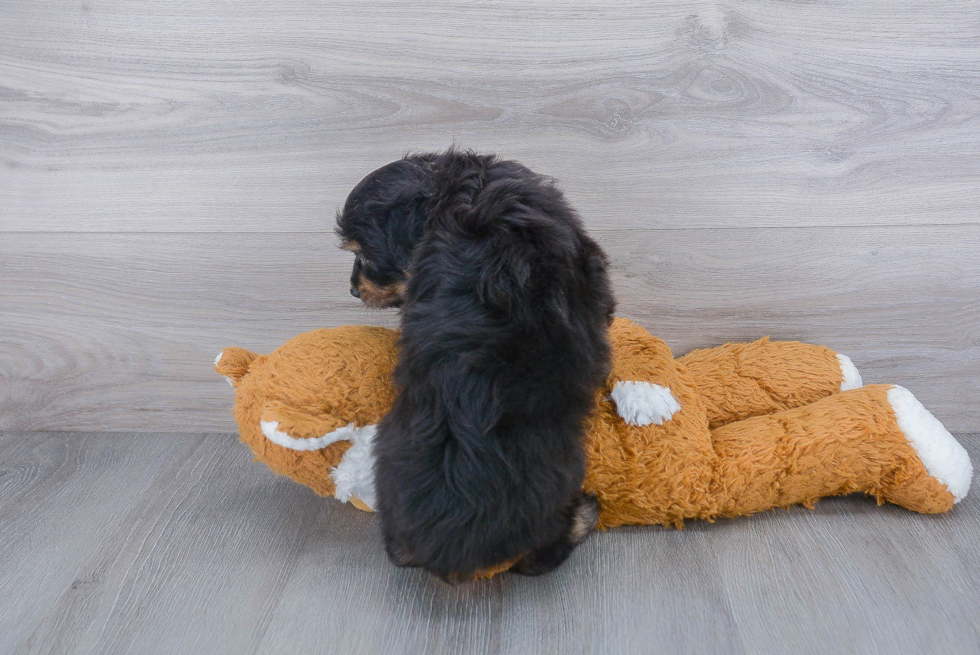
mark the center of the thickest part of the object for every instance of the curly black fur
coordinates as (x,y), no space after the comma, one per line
(505,305)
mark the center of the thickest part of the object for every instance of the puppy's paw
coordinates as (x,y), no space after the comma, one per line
(585,516)
(399,554)
(544,560)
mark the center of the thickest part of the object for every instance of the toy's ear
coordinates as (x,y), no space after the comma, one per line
(233,363)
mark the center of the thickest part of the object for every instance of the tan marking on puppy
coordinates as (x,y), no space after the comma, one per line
(378,296)
(490,571)
(352,246)
(585,520)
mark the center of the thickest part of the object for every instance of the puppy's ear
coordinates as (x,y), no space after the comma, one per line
(405,223)
(406,220)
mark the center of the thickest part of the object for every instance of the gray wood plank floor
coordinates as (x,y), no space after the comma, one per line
(166,543)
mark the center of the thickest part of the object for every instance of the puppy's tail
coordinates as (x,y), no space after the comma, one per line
(233,363)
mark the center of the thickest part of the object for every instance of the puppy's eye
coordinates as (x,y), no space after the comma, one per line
(366,265)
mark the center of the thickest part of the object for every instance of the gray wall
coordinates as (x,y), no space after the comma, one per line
(169,175)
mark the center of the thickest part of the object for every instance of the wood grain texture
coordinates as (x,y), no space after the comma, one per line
(157,543)
(169,174)
(120,331)
(44,482)
(168,177)
(669,114)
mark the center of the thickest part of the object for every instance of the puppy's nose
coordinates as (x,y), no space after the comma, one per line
(354,292)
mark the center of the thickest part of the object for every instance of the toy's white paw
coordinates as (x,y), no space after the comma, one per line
(643,403)
(852,378)
(942,455)
(354,476)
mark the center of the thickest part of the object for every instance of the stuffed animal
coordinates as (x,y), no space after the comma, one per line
(720,432)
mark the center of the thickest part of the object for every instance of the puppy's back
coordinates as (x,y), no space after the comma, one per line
(503,345)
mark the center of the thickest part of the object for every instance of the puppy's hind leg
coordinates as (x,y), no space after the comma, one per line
(582,522)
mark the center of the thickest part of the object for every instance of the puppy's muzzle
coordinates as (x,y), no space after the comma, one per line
(375,295)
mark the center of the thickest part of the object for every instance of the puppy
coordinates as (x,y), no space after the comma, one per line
(505,302)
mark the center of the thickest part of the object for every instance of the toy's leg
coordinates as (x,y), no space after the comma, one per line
(741,380)
(878,439)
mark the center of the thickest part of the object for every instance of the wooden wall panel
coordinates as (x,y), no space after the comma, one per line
(169,174)
(119,331)
(117,117)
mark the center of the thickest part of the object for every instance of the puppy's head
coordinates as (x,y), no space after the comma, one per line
(382,221)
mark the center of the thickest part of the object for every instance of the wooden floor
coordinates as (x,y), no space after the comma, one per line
(162,543)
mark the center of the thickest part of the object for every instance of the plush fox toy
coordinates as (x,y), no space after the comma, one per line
(720,432)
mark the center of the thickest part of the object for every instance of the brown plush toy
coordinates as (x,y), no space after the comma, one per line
(719,432)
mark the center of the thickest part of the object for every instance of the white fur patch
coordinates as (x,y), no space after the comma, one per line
(354,476)
(272,432)
(229,380)
(942,455)
(643,403)
(852,378)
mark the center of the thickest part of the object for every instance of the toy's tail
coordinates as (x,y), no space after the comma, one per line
(233,363)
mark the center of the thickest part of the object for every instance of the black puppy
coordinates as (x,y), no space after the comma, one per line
(505,305)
